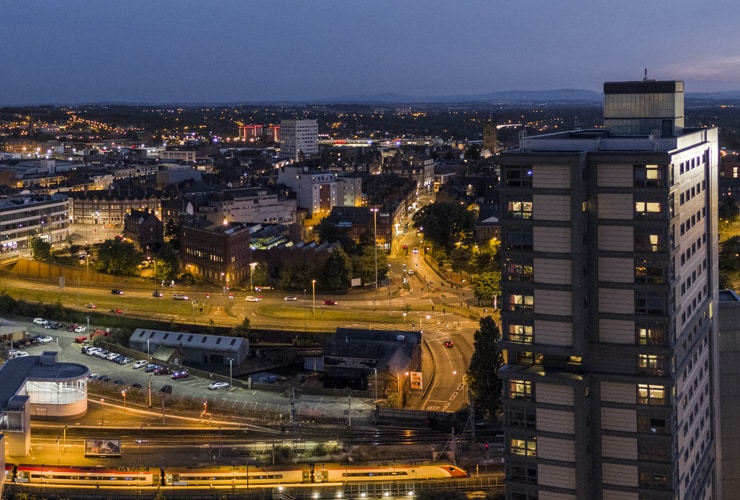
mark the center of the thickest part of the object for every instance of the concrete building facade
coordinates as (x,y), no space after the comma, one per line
(299,137)
(609,305)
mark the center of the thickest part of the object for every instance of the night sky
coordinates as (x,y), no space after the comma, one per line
(216,51)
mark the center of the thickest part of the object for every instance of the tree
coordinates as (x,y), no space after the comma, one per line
(444,223)
(260,275)
(40,249)
(460,258)
(487,286)
(242,329)
(118,257)
(330,232)
(363,265)
(728,210)
(337,274)
(167,262)
(482,375)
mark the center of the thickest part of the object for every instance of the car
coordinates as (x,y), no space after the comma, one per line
(252,298)
(72,327)
(157,293)
(231,295)
(90,305)
(117,311)
(45,339)
(449,344)
(214,386)
(151,367)
(290,298)
(112,356)
(39,321)
(124,360)
(17,354)
(415,250)
(90,350)
(80,329)
(119,381)
(136,384)
(49,325)
(179,296)
(411,272)
(330,302)
(140,364)
(104,378)
(93,376)
(56,325)
(162,370)
(102,354)
(167,389)
(116,291)
(81,339)
(180,374)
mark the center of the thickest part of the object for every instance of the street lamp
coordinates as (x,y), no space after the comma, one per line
(123,393)
(375,384)
(230,374)
(375,242)
(313,295)
(252,265)
(102,411)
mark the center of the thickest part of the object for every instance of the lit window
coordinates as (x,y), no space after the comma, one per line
(521,333)
(526,447)
(648,394)
(520,389)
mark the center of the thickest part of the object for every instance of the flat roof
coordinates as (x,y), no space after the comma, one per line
(15,372)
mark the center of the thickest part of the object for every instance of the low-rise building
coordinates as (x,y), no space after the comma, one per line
(196,348)
(215,252)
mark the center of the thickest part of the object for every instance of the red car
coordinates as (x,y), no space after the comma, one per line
(330,302)
(449,344)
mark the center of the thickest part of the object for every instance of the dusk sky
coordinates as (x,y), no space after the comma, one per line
(165,51)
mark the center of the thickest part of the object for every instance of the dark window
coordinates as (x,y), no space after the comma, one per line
(518,176)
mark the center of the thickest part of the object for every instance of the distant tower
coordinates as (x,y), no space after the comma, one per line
(299,136)
(489,135)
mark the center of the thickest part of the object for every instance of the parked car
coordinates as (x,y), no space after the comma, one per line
(218,385)
(116,291)
(140,364)
(119,381)
(104,378)
(449,344)
(151,367)
(72,327)
(136,384)
(39,321)
(17,354)
(180,374)
(45,339)
(162,370)
(123,360)
(167,389)
(252,298)
(290,298)
(81,339)
(90,305)
(80,329)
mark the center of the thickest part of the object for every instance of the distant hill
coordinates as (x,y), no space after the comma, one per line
(502,97)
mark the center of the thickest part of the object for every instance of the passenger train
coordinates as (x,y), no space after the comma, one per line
(243,476)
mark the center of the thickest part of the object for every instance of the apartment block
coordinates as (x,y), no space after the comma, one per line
(609,310)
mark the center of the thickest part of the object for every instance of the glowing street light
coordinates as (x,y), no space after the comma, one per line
(102,411)
(123,393)
(375,242)
(313,295)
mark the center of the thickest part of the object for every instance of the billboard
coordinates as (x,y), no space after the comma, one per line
(102,447)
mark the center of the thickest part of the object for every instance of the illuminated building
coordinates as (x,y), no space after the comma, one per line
(299,137)
(609,305)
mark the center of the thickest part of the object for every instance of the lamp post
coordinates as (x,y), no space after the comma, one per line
(375,242)
(102,411)
(313,295)
(148,356)
(305,320)
(230,374)
(123,393)
(252,265)
(375,384)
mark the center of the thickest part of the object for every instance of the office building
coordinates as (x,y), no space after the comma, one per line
(609,317)
(299,138)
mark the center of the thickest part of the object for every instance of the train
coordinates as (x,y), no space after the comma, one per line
(241,476)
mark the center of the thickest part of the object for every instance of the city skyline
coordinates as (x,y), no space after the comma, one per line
(192,52)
